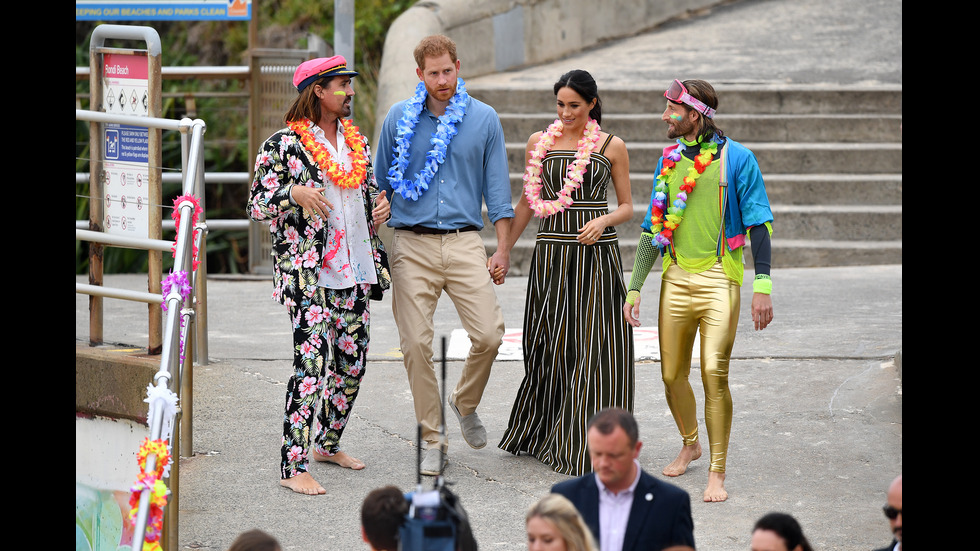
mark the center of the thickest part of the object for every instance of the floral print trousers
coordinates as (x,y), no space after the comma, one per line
(336,319)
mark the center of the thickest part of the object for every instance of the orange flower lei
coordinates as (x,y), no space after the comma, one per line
(330,168)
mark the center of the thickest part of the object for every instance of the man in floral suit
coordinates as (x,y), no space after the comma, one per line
(315,186)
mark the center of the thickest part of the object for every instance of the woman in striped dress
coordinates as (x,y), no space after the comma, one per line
(578,347)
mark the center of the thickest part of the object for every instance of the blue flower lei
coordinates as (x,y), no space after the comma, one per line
(445,130)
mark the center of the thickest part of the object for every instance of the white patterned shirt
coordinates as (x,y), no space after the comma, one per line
(348,258)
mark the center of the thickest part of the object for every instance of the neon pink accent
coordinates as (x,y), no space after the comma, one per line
(336,247)
(736,242)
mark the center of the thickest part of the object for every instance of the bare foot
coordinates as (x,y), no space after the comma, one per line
(339,458)
(303,484)
(679,466)
(716,488)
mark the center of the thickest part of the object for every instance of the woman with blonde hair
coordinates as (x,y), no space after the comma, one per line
(554,524)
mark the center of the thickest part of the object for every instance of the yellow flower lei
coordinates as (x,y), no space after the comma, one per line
(332,169)
(158,493)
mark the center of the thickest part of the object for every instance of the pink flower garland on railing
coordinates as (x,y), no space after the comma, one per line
(194,219)
(576,169)
(158,493)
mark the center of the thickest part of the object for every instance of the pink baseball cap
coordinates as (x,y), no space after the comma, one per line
(313,70)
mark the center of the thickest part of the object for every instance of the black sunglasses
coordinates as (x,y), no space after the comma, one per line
(891,512)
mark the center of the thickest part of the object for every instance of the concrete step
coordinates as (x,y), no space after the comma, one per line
(762,99)
(831,158)
(642,127)
(786,158)
(785,189)
(842,189)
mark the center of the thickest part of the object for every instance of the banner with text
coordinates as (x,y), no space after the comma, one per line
(174,10)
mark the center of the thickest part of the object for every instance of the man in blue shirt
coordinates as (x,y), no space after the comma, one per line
(440,156)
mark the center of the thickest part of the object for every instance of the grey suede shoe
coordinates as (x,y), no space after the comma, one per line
(472,428)
(430,462)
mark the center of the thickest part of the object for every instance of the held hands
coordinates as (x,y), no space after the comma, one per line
(498,265)
(311,200)
(761,310)
(382,210)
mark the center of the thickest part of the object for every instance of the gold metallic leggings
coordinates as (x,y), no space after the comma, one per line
(708,301)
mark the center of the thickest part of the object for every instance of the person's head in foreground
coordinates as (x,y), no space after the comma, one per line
(614,445)
(893,507)
(779,532)
(255,540)
(382,513)
(554,524)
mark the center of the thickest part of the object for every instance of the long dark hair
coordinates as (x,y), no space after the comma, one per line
(307,105)
(785,526)
(584,85)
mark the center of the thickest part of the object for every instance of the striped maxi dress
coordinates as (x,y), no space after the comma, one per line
(578,347)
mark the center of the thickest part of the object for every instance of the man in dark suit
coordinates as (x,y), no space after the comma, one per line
(893,510)
(626,508)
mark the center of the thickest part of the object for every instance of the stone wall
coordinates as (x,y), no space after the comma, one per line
(497,35)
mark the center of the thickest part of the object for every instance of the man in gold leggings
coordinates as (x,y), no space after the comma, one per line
(708,194)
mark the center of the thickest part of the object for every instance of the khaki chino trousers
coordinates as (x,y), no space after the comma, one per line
(422,267)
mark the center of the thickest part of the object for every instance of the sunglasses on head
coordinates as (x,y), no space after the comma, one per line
(678,92)
(891,512)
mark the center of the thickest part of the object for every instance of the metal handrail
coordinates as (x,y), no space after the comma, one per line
(171,362)
(176,177)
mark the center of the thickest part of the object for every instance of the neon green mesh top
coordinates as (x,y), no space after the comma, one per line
(696,239)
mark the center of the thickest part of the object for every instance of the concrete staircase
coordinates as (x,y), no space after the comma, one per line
(831,159)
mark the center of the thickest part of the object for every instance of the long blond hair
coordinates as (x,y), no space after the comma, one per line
(556,509)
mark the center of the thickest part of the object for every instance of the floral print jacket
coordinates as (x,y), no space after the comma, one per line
(298,239)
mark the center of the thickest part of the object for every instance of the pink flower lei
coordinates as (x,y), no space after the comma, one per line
(195,216)
(574,176)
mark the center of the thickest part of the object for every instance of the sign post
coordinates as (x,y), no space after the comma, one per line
(125,160)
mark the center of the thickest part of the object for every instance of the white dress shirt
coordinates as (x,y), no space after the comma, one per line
(614,513)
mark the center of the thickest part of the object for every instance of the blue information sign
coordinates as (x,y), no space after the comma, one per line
(126,143)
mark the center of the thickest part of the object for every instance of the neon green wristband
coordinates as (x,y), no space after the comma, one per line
(632,296)
(762,284)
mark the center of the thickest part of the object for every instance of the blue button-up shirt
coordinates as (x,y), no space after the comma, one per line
(475,170)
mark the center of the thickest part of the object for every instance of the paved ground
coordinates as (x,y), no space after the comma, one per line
(818,398)
(817,429)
